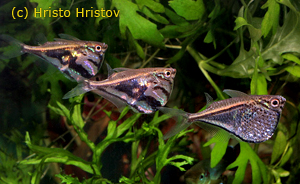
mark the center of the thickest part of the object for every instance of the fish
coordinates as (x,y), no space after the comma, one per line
(143,90)
(202,173)
(77,59)
(250,118)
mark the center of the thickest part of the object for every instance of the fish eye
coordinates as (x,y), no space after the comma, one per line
(275,102)
(98,48)
(201,176)
(167,73)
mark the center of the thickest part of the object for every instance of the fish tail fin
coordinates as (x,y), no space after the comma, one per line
(179,116)
(10,47)
(78,90)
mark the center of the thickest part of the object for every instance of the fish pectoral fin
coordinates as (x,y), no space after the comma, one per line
(78,90)
(235,93)
(180,117)
(209,99)
(110,71)
(115,100)
(66,37)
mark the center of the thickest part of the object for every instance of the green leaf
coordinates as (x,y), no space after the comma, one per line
(154,16)
(294,70)
(271,18)
(286,157)
(239,22)
(291,57)
(285,40)
(154,6)
(221,139)
(259,169)
(139,27)
(258,84)
(189,9)
(279,146)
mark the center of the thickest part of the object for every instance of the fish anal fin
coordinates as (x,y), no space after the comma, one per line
(120,104)
(214,130)
(78,90)
(179,116)
(235,93)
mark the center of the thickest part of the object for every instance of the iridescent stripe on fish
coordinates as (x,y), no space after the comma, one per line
(251,118)
(142,89)
(77,59)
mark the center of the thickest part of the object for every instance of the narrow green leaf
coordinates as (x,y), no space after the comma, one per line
(287,156)
(279,146)
(271,18)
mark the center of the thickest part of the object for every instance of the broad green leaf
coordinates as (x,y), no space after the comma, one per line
(137,46)
(271,18)
(294,70)
(291,57)
(221,139)
(139,27)
(279,146)
(285,40)
(189,9)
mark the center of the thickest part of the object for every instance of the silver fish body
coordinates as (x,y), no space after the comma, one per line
(142,89)
(77,59)
(251,118)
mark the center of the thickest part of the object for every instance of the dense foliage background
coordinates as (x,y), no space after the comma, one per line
(250,46)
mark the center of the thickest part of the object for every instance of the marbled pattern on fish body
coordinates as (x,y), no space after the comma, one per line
(142,89)
(251,118)
(77,59)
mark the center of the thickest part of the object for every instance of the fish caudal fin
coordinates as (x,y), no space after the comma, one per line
(78,90)
(180,117)
(10,47)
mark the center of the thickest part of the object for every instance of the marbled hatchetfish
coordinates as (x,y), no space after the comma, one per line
(142,89)
(77,59)
(251,118)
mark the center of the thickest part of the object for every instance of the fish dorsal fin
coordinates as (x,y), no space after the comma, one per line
(121,69)
(110,71)
(67,37)
(234,93)
(209,99)
(40,39)
(180,117)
